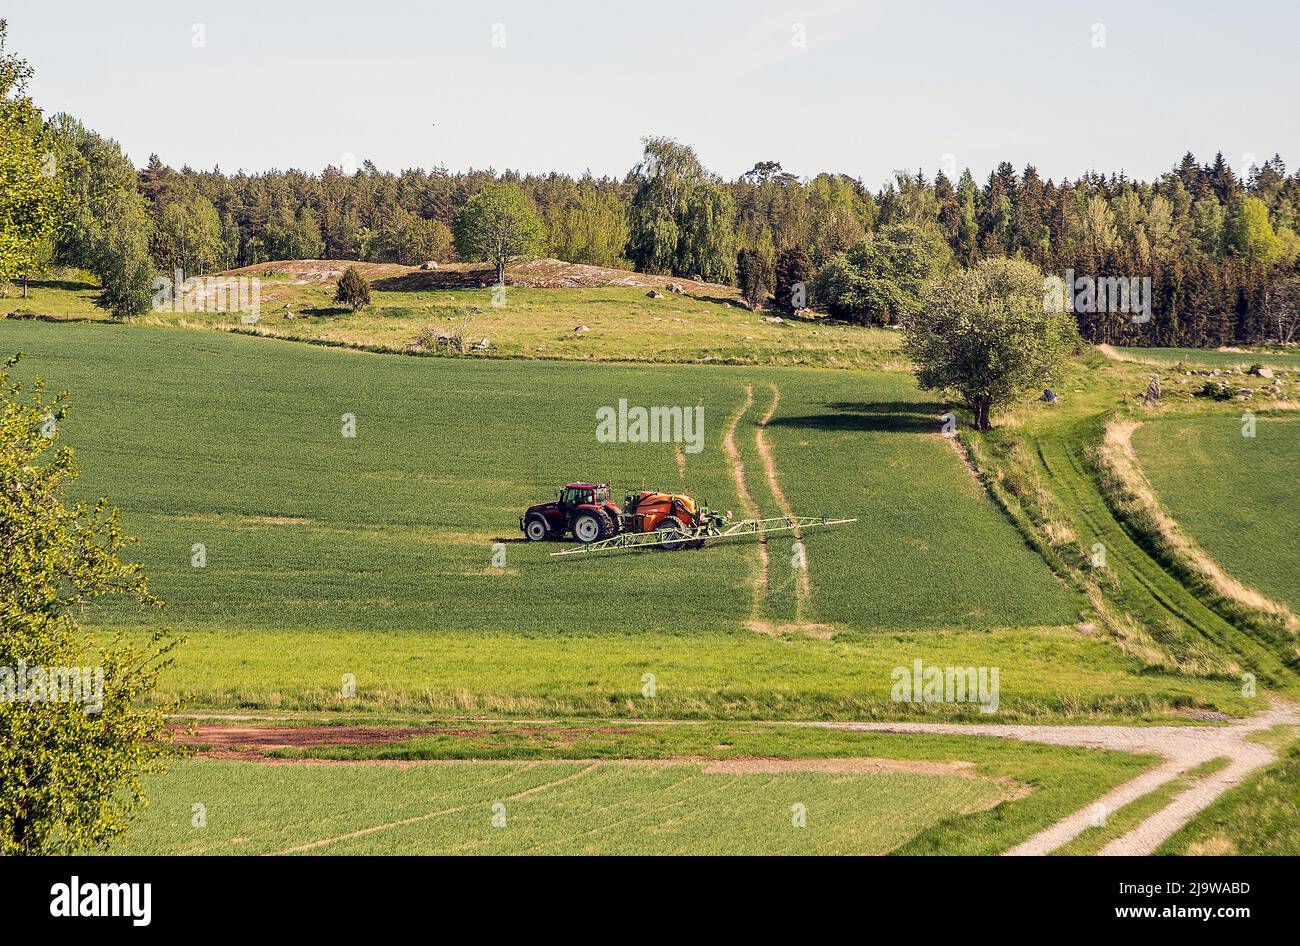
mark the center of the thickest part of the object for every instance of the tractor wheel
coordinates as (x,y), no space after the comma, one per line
(592,526)
(671,526)
(536,529)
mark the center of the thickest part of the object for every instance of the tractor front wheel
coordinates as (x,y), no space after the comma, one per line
(536,529)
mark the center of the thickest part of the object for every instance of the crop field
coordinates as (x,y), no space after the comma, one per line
(859,794)
(325,555)
(1235,495)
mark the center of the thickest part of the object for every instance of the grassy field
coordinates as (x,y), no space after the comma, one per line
(330,560)
(1284,358)
(939,795)
(1044,673)
(1234,494)
(371,556)
(623,323)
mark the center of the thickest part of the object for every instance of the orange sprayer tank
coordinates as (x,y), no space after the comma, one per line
(645,510)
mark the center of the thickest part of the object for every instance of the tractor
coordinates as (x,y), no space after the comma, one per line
(583,509)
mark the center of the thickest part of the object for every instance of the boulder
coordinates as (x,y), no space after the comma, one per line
(1260,371)
(1050,396)
(676,287)
(430,264)
(653,294)
(774,319)
(581,330)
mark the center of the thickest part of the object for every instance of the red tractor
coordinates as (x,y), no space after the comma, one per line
(583,509)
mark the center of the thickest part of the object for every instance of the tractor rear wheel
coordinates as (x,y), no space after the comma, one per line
(671,529)
(592,526)
(536,529)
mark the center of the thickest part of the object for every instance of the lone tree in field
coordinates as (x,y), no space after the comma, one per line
(74,739)
(352,291)
(497,224)
(987,333)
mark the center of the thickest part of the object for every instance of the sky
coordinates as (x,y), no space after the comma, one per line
(862,88)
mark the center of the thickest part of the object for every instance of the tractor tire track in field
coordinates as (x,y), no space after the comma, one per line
(748,505)
(416,819)
(803,587)
(1183,747)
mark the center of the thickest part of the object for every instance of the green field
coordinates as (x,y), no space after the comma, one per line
(371,556)
(328,555)
(1284,358)
(601,809)
(236,443)
(1235,495)
(560,802)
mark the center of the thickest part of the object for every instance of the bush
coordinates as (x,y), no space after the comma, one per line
(353,291)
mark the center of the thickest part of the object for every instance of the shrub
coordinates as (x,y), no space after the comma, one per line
(353,291)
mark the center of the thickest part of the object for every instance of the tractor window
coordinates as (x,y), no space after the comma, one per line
(602,495)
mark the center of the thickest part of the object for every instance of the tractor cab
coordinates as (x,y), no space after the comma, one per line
(584,494)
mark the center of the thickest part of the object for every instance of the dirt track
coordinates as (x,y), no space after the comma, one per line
(748,507)
(1183,748)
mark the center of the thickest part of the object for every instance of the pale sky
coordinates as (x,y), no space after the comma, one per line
(876,86)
